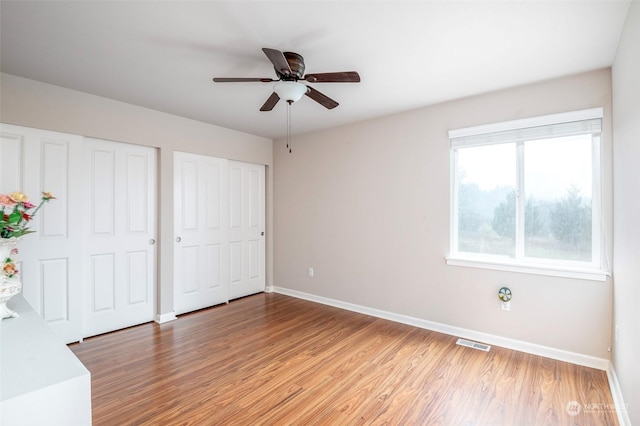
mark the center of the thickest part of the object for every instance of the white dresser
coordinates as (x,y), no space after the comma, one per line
(41,380)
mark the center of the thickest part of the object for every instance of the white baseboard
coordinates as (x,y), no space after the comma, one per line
(268,289)
(518,345)
(618,400)
(162,318)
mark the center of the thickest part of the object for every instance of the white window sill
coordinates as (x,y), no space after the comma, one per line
(549,270)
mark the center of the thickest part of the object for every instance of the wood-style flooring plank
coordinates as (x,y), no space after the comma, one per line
(270,359)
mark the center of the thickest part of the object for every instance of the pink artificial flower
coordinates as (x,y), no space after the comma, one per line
(6,201)
(14,251)
(28,205)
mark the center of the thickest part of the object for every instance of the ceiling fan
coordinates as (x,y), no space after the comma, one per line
(289,67)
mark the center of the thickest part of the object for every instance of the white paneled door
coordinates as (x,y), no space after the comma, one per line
(90,267)
(219,223)
(246,229)
(120,231)
(202,236)
(33,161)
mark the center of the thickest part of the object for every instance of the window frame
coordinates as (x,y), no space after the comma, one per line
(593,270)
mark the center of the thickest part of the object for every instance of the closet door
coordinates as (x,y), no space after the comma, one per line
(33,161)
(246,230)
(119,246)
(201,248)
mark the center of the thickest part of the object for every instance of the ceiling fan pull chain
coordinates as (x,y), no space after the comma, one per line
(289,125)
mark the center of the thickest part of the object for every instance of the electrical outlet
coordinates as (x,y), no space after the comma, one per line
(311,272)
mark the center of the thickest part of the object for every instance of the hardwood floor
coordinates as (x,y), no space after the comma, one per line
(273,359)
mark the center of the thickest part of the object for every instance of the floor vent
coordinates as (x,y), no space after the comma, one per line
(473,345)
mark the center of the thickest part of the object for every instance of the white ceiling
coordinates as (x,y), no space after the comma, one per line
(410,54)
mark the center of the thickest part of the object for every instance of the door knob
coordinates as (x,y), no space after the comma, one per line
(178,239)
(152,242)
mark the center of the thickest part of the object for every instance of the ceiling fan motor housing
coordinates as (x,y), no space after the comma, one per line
(296,63)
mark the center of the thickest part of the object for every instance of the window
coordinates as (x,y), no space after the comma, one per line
(526,193)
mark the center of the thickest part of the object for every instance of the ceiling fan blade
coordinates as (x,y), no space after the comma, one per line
(333,77)
(278,60)
(242,80)
(320,98)
(271,102)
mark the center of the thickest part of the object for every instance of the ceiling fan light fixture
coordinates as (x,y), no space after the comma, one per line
(290,91)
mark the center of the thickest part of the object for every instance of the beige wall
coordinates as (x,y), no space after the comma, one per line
(626,160)
(34,104)
(367,206)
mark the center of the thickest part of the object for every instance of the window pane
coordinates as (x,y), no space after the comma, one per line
(558,184)
(486,184)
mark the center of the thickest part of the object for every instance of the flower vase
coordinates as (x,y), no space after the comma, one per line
(10,284)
